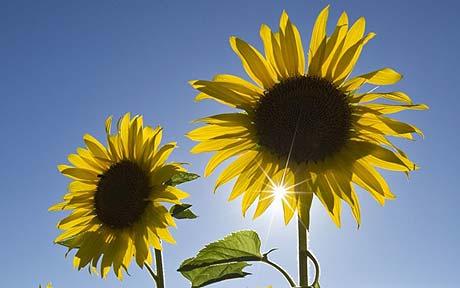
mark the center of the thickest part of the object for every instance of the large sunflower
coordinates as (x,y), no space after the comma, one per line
(305,130)
(116,197)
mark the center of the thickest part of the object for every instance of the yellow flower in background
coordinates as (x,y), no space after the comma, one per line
(47,286)
(116,197)
(305,130)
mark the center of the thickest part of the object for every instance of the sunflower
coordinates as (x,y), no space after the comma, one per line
(304,131)
(116,197)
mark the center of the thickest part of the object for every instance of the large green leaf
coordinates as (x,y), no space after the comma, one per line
(182,211)
(237,247)
(181,177)
(204,276)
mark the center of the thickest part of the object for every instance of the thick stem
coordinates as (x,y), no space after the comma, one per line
(280,269)
(160,274)
(303,254)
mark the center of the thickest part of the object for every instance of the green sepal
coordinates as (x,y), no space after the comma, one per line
(182,211)
(181,177)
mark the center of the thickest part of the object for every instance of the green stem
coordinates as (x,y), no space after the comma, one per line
(303,254)
(160,274)
(316,263)
(280,269)
(152,273)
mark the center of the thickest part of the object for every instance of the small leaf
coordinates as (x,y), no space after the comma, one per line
(182,211)
(237,247)
(204,276)
(181,177)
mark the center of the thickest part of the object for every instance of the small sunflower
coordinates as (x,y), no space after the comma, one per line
(305,131)
(116,197)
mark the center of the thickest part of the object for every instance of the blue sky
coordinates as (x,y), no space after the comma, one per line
(67,65)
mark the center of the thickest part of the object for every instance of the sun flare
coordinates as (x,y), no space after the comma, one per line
(279,192)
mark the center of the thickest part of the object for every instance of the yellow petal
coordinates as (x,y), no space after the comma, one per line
(253,191)
(329,199)
(290,198)
(254,63)
(223,94)
(348,60)
(381,157)
(369,179)
(344,189)
(89,248)
(73,232)
(142,249)
(266,196)
(162,155)
(154,240)
(236,167)
(123,130)
(227,153)
(390,109)
(244,179)
(394,96)
(387,126)
(217,132)
(354,35)
(178,193)
(385,76)
(239,85)
(163,173)
(58,206)
(273,52)
(318,43)
(95,146)
(334,45)
(291,47)
(165,235)
(81,174)
(107,258)
(227,119)
(80,162)
(115,150)
(304,194)
(216,145)
(76,219)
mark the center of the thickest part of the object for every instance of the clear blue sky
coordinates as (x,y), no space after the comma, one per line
(66,65)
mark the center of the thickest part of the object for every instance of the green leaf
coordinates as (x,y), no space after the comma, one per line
(182,211)
(237,247)
(204,276)
(181,177)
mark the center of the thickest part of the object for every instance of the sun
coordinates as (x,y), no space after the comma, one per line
(279,192)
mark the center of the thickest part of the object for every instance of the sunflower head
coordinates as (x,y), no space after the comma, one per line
(117,197)
(305,129)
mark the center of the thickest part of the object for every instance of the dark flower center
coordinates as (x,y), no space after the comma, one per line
(306,112)
(121,195)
